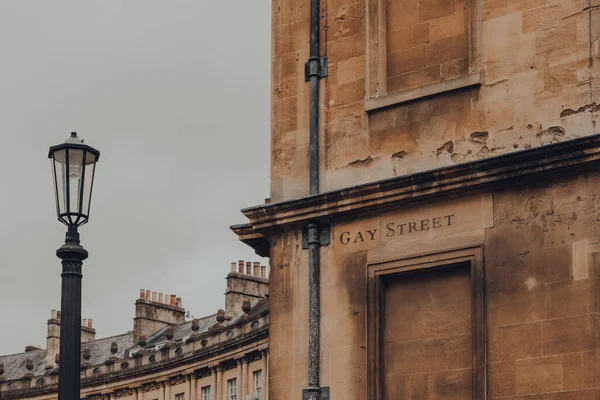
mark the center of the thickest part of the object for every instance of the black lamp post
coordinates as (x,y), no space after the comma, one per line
(73,166)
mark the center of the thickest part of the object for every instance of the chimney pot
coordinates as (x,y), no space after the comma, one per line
(256,269)
(53,314)
(84,322)
(154,297)
(148,295)
(246,306)
(160,298)
(220,316)
(58,314)
(173,299)
(178,302)
(195,325)
(249,268)
(263,271)
(233,264)
(90,323)
(142,341)
(241,266)
(142,294)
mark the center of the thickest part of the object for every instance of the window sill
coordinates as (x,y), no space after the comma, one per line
(425,91)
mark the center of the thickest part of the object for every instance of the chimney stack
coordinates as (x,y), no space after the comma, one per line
(88,333)
(248,283)
(154,311)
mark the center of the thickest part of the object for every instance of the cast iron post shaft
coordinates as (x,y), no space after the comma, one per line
(72,256)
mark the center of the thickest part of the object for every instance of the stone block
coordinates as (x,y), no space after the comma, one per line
(408,387)
(346,21)
(502,379)
(516,306)
(349,92)
(449,26)
(382,120)
(447,49)
(420,352)
(539,375)
(401,13)
(399,40)
(572,365)
(506,342)
(451,385)
(348,47)
(569,298)
(567,335)
(391,141)
(406,81)
(420,34)
(455,68)
(350,70)
(406,61)
(590,369)
(434,9)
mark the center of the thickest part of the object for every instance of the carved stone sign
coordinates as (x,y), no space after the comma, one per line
(416,223)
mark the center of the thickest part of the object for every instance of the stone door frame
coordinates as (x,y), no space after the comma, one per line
(376,271)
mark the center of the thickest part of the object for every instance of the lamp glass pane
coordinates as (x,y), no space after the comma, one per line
(75,170)
(60,181)
(88,185)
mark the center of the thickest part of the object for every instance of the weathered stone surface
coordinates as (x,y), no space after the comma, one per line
(539,85)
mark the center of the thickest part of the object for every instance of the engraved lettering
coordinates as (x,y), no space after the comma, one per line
(345,239)
(424,224)
(449,217)
(411,226)
(359,236)
(401,226)
(391,232)
(437,223)
(372,233)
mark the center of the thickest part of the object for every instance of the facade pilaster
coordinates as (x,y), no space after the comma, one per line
(192,386)
(167,390)
(265,357)
(245,377)
(220,385)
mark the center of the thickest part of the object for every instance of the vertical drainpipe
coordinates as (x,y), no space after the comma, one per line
(315,69)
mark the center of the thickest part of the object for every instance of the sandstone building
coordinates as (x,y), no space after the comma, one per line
(456,221)
(219,357)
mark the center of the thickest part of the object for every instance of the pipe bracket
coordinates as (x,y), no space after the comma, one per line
(321,393)
(315,66)
(324,236)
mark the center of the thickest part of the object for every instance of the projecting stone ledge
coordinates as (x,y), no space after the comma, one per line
(398,191)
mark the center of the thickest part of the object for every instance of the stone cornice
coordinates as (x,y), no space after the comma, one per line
(398,191)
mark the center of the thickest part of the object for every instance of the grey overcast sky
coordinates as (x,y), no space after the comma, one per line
(175,95)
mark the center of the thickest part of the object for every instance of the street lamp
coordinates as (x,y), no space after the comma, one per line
(73,167)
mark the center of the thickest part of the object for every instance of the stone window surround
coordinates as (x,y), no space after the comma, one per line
(377,270)
(375,69)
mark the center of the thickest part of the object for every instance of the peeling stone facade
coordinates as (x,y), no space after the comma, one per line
(459,178)
(164,357)
(535,81)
